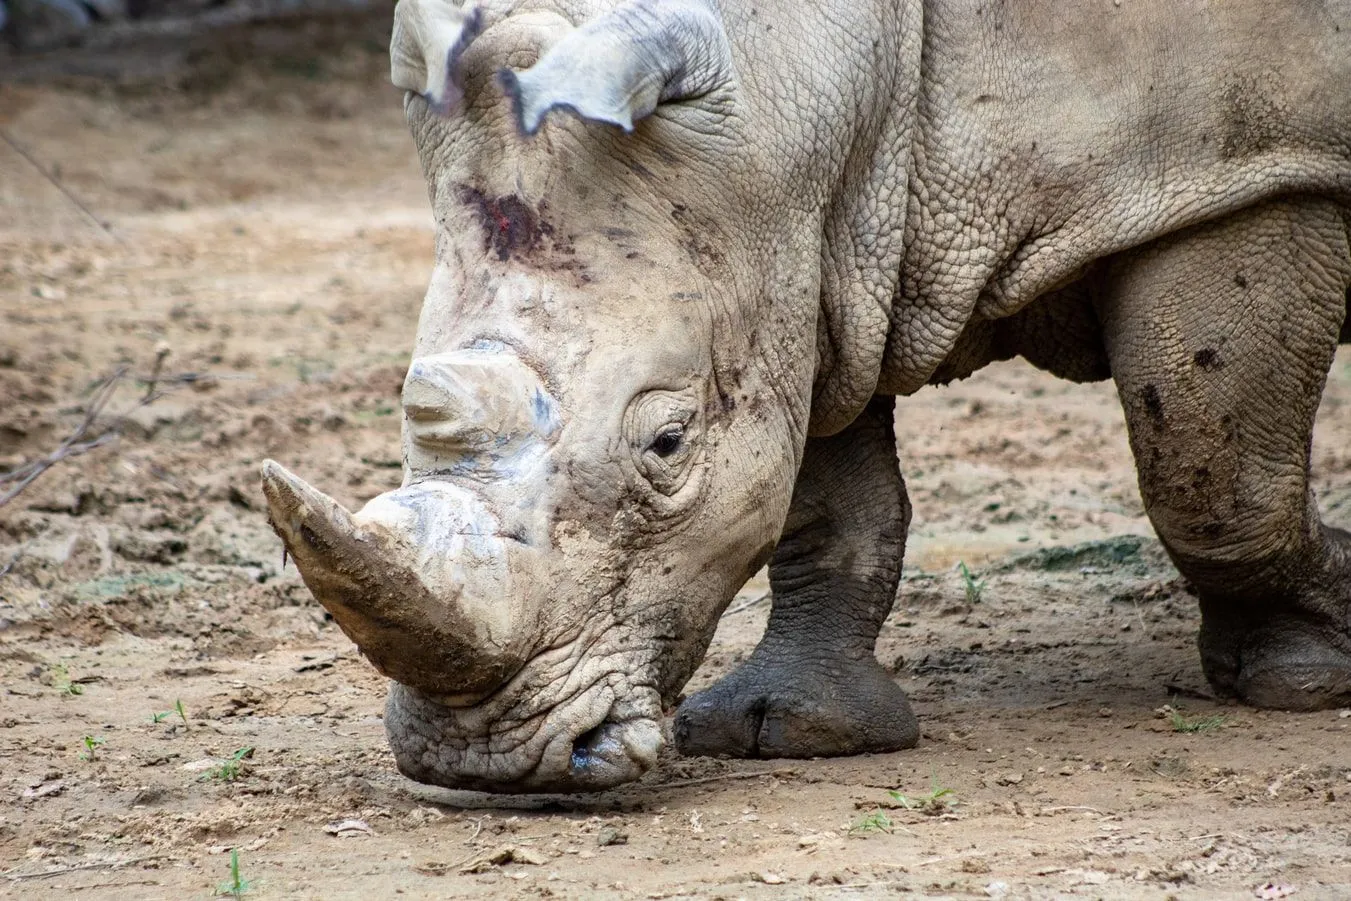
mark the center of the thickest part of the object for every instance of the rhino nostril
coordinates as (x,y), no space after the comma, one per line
(596,744)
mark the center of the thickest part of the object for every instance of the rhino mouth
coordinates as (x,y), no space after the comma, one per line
(608,734)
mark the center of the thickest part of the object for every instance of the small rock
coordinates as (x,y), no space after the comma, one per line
(1009,779)
(609,835)
(768,878)
(997,889)
(44,789)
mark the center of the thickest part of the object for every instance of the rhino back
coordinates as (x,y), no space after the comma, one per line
(1052,134)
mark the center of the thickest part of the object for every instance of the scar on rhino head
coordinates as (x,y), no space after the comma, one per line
(510,225)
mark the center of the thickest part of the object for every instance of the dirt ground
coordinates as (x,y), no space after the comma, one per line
(268,226)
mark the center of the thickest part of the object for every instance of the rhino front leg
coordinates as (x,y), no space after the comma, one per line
(1220,340)
(812,687)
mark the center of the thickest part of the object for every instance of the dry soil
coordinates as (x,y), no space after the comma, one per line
(258,213)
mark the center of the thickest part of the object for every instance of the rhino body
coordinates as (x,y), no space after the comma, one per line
(688,253)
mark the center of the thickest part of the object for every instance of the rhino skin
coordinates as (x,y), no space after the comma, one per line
(687,255)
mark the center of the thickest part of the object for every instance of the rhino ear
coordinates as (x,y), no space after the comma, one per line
(618,67)
(428,38)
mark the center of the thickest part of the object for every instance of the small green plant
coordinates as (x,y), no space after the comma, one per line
(63,683)
(1181,723)
(974,588)
(877,821)
(178,709)
(937,801)
(237,885)
(231,768)
(91,745)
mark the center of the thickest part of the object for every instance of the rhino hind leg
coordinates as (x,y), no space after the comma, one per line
(1220,341)
(812,687)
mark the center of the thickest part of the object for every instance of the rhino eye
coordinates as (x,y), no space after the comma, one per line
(668,442)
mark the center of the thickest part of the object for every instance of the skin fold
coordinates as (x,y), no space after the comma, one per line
(688,253)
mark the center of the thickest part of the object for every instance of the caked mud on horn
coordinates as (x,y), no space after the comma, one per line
(406,579)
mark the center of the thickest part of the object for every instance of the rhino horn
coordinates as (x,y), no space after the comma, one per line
(368,577)
(616,68)
(425,48)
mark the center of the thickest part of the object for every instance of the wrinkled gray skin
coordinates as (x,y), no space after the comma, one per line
(686,255)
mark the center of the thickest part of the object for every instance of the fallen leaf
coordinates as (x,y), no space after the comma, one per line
(433,868)
(499,857)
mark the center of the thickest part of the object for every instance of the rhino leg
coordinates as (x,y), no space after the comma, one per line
(1220,340)
(812,687)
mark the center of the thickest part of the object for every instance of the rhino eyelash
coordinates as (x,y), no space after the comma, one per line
(667,442)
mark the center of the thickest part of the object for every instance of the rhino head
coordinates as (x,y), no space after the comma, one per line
(610,390)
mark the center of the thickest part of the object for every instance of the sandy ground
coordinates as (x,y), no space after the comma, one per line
(270,227)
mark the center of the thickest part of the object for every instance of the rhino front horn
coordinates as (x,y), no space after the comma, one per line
(397,579)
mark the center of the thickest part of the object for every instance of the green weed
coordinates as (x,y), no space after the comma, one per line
(974,589)
(62,682)
(877,821)
(938,800)
(230,769)
(92,743)
(237,885)
(1182,723)
(178,709)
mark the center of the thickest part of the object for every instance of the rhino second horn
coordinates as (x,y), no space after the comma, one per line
(616,68)
(363,578)
(425,47)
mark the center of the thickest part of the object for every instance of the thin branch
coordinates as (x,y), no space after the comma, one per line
(748,604)
(724,777)
(73,446)
(77,443)
(98,223)
(10,565)
(61,871)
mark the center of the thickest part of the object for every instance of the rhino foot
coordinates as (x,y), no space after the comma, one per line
(798,708)
(1296,658)
(1289,664)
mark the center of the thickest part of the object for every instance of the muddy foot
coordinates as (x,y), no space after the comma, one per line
(1296,659)
(1288,664)
(803,709)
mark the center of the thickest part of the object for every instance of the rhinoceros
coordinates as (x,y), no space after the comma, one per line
(689,253)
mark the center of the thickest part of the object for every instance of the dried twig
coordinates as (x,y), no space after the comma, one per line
(73,446)
(724,777)
(78,443)
(61,871)
(10,565)
(98,223)
(748,604)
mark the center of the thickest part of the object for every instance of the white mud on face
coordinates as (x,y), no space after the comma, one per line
(273,228)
